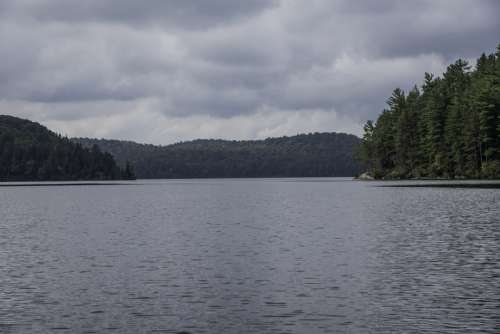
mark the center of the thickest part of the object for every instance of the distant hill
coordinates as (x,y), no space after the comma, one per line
(31,152)
(317,154)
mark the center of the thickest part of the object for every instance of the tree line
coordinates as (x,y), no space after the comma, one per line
(315,154)
(447,128)
(30,152)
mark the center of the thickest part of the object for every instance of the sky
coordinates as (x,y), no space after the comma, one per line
(163,71)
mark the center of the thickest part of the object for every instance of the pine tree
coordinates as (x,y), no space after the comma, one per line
(452,129)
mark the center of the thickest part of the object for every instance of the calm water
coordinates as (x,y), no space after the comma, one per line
(249,256)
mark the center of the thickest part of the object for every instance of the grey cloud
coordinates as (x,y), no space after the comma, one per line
(185,14)
(223,59)
(450,28)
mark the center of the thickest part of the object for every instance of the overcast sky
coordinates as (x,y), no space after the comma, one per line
(161,71)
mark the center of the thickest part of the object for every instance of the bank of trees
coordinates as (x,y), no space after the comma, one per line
(449,127)
(315,154)
(30,152)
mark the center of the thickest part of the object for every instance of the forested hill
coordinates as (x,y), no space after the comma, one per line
(30,152)
(450,127)
(318,154)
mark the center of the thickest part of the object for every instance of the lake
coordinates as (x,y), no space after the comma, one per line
(249,256)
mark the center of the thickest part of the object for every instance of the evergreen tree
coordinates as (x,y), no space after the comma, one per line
(30,152)
(450,130)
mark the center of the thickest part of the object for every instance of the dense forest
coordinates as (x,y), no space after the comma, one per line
(30,152)
(448,128)
(318,154)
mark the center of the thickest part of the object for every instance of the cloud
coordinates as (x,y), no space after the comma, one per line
(173,14)
(225,68)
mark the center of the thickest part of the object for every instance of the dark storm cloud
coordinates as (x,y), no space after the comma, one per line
(449,28)
(185,14)
(211,60)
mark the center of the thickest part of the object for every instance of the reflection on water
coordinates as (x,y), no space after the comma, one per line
(249,256)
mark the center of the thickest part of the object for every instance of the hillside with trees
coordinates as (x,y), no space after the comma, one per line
(31,152)
(447,128)
(317,154)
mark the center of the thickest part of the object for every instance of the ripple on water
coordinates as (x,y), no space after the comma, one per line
(253,256)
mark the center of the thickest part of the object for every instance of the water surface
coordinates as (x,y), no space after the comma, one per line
(249,256)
